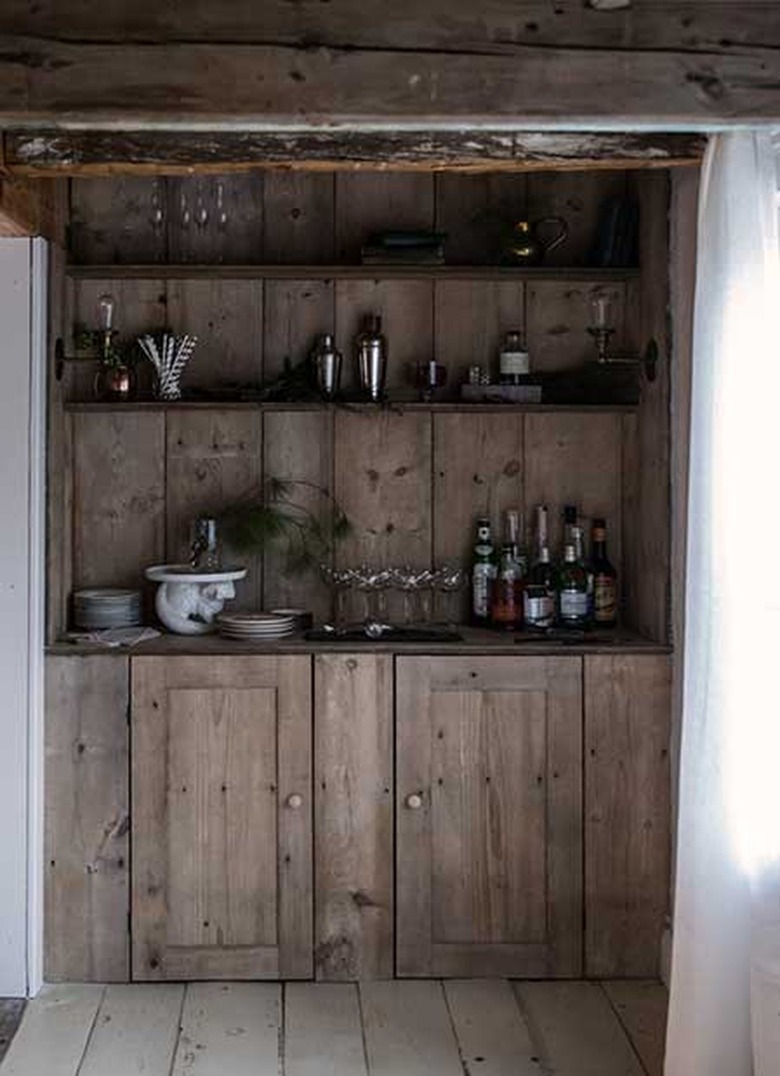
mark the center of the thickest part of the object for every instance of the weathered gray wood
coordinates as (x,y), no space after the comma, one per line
(298,217)
(559,313)
(627,813)
(575,459)
(577,1031)
(477,470)
(59,462)
(121,220)
(229,1028)
(212,219)
(87,820)
(94,153)
(222,884)
(372,203)
(296,311)
(488,815)
(213,458)
(648,533)
(578,199)
(503,27)
(135,1032)
(353,751)
(474,210)
(493,1037)
(470,320)
(407,1030)
(298,447)
(227,318)
(118,497)
(323,1035)
(406,309)
(641,1008)
(54,1033)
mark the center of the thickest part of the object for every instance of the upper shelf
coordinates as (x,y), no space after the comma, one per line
(460,407)
(347,272)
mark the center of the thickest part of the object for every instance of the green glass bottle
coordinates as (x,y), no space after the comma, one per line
(572,591)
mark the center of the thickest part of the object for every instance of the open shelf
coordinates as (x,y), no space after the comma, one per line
(347,272)
(98,406)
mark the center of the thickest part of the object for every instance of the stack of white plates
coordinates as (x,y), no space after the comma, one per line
(106,607)
(256,626)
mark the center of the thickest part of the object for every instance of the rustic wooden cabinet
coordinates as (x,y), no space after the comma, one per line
(221,830)
(489,802)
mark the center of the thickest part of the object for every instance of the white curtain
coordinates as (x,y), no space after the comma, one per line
(724,1017)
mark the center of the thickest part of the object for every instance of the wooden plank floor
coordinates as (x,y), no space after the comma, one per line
(400,1028)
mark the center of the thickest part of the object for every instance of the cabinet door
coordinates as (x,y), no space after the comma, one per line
(489,846)
(221,841)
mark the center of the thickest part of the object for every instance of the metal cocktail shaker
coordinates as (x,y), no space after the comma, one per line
(326,363)
(372,358)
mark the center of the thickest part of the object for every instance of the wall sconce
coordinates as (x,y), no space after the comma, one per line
(602,330)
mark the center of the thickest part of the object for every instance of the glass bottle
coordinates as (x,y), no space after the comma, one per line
(605,606)
(539,590)
(572,591)
(513,363)
(506,605)
(513,536)
(483,573)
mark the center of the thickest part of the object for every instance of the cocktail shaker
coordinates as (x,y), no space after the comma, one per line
(371,347)
(326,364)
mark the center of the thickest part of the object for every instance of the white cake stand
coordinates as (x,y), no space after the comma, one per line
(188,599)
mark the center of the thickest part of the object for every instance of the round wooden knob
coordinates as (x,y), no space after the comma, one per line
(295,801)
(414,801)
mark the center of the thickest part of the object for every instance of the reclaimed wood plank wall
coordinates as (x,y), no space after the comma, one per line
(412,482)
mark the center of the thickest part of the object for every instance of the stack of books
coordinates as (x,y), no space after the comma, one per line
(404,248)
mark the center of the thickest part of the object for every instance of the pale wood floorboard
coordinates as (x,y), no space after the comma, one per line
(493,1036)
(230,1029)
(408,1029)
(54,1031)
(322,1030)
(641,1007)
(135,1032)
(393,1028)
(577,1030)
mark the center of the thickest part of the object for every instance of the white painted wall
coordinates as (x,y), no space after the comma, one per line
(22,365)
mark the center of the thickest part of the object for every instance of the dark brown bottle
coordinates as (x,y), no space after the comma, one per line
(605,603)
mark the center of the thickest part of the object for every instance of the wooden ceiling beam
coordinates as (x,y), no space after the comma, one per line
(179,84)
(95,153)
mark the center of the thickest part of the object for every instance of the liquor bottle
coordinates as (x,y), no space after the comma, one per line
(513,359)
(483,573)
(570,516)
(513,535)
(572,591)
(605,605)
(577,539)
(539,590)
(506,608)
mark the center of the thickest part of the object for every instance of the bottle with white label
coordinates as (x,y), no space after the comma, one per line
(513,362)
(483,574)
(572,591)
(539,591)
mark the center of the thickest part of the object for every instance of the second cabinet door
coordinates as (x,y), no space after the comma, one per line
(221,842)
(489,816)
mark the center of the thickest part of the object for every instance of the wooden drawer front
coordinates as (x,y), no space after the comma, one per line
(221,760)
(489,815)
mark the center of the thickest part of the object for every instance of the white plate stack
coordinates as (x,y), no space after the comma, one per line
(106,607)
(254,627)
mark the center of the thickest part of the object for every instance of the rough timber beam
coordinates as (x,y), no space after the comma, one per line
(94,153)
